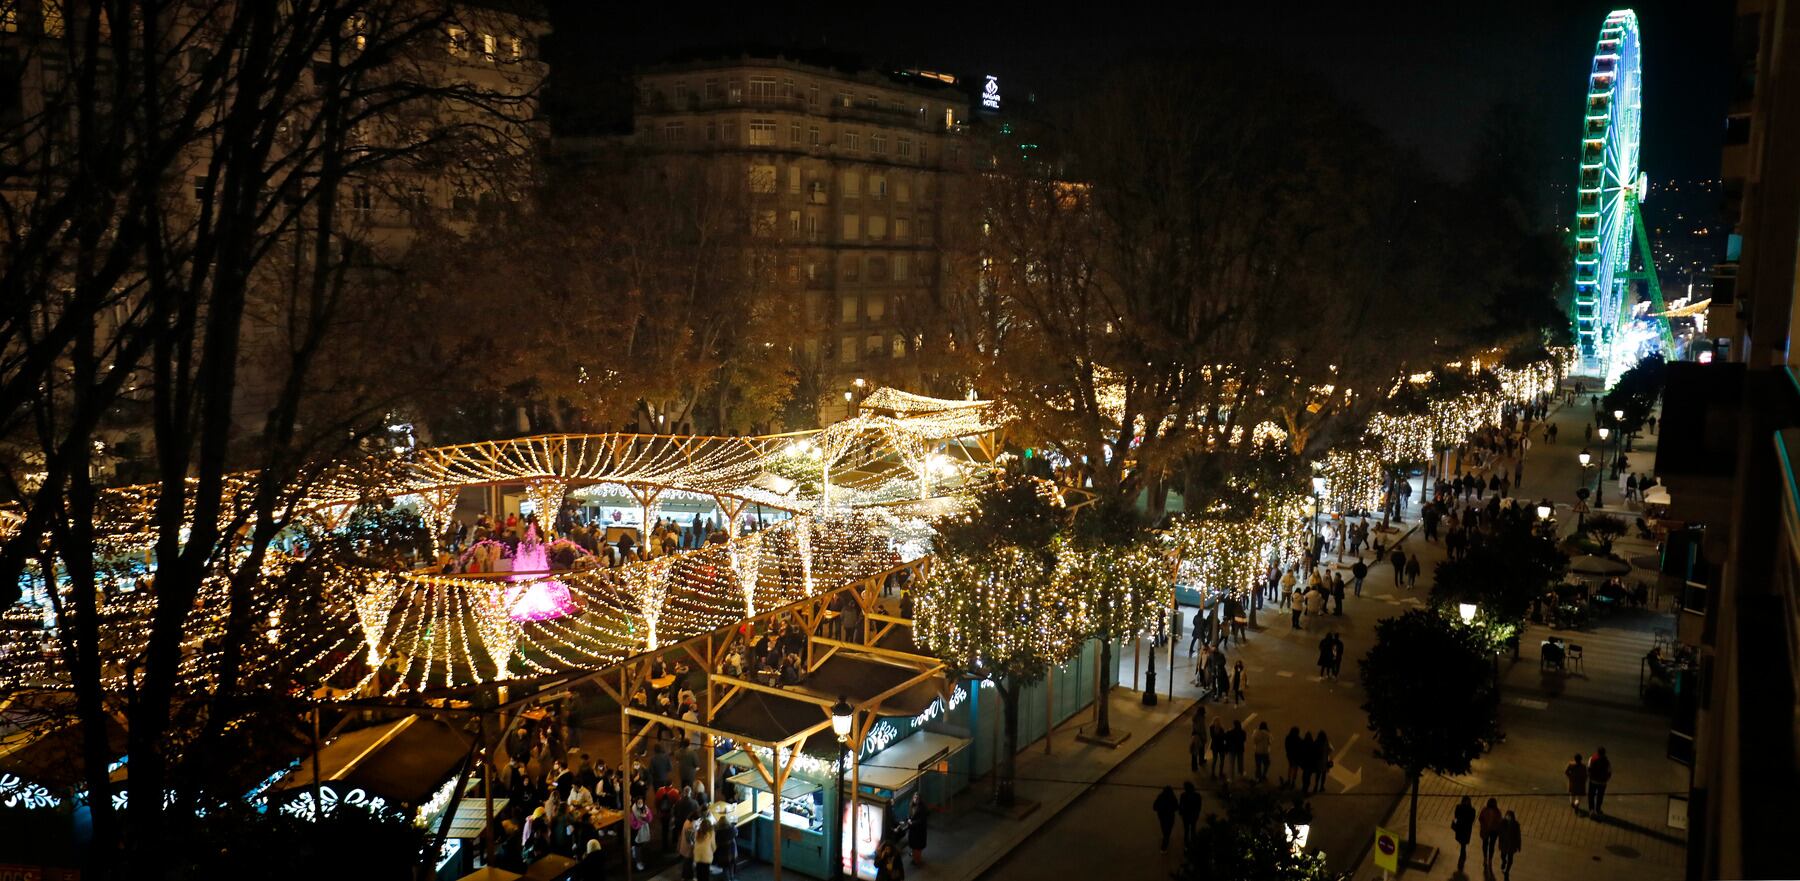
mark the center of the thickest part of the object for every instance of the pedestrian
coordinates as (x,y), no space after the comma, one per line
(1322,760)
(705,845)
(1337,593)
(1165,807)
(1259,745)
(1399,562)
(1234,747)
(1358,571)
(1577,772)
(1196,751)
(1462,823)
(1299,604)
(918,828)
(1291,747)
(684,847)
(1599,775)
(1490,820)
(1325,656)
(1189,806)
(1237,683)
(1308,756)
(1512,840)
(1337,655)
(1198,727)
(1412,572)
(1217,737)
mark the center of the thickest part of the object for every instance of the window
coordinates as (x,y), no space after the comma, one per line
(873,102)
(877,307)
(53,18)
(847,309)
(852,225)
(852,184)
(711,90)
(787,87)
(794,179)
(902,229)
(852,268)
(459,42)
(877,187)
(845,99)
(900,261)
(362,199)
(812,135)
(762,132)
(674,132)
(515,49)
(794,133)
(899,349)
(201,190)
(762,88)
(812,97)
(762,178)
(812,229)
(949,117)
(681,94)
(421,200)
(924,229)
(734,92)
(490,46)
(847,350)
(728,132)
(712,132)
(793,226)
(878,143)
(852,141)
(877,267)
(763,224)
(793,273)
(812,271)
(905,147)
(811,348)
(877,227)
(923,158)
(873,344)
(902,192)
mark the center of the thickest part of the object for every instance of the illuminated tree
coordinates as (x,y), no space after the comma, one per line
(993,607)
(1122,591)
(1432,699)
(1502,576)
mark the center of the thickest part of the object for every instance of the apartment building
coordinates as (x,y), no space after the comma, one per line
(848,171)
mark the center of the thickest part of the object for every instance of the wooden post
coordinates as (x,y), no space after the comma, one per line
(318,807)
(487,786)
(626,769)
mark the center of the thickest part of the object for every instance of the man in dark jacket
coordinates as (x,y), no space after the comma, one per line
(1190,811)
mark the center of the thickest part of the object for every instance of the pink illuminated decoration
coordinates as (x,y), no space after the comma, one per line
(539,600)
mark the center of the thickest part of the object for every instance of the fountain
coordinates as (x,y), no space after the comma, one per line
(541,598)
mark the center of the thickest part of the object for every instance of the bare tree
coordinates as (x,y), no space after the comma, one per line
(175,238)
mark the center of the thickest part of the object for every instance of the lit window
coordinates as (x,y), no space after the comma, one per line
(905,148)
(847,350)
(490,46)
(674,132)
(900,260)
(847,309)
(877,226)
(902,230)
(794,179)
(459,42)
(899,349)
(762,132)
(878,143)
(903,192)
(852,141)
(852,226)
(852,184)
(877,307)
(794,133)
(762,178)
(812,135)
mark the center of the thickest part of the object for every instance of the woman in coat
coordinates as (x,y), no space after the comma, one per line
(918,828)
(1321,759)
(1512,840)
(1165,807)
(1577,773)
(1462,824)
(1490,820)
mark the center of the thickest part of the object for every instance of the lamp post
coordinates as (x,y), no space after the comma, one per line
(1586,458)
(1604,433)
(1467,611)
(842,715)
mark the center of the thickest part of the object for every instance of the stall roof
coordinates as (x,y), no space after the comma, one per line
(404,760)
(898,765)
(489,873)
(860,678)
(767,718)
(900,639)
(471,816)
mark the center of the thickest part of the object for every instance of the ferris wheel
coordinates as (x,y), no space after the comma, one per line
(1608,224)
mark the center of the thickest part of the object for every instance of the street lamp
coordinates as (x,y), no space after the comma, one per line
(1467,611)
(842,715)
(1543,512)
(1604,433)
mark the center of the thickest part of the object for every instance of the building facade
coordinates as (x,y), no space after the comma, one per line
(849,172)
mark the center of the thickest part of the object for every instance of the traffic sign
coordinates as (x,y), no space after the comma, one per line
(1387,850)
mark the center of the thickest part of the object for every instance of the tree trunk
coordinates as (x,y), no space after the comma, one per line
(1412,813)
(1102,694)
(1009,744)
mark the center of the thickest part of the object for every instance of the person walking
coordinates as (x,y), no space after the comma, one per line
(1291,747)
(1462,823)
(1165,807)
(1599,775)
(1337,593)
(1412,572)
(1234,747)
(1237,683)
(1321,760)
(1325,657)
(1298,604)
(1489,821)
(1399,562)
(1196,751)
(705,845)
(1259,746)
(1218,749)
(918,828)
(1337,655)
(1189,806)
(1306,759)
(1358,571)
(1512,840)
(1577,773)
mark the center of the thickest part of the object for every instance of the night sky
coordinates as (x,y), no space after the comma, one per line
(1426,73)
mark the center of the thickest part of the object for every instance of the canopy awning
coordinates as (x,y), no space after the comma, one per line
(793,787)
(896,767)
(472,817)
(404,760)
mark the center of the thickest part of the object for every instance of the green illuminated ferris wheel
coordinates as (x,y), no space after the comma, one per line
(1609,229)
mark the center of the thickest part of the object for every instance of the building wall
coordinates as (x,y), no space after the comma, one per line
(847,170)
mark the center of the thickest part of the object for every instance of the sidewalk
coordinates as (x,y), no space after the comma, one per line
(1550,717)
(967,840)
